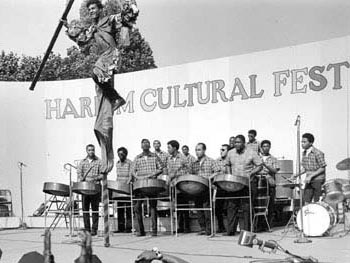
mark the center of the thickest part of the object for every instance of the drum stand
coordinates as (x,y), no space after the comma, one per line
(147,200)
(302,238)
(292,220)
(70,205)
(210,209)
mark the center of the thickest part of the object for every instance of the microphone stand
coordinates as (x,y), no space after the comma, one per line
(22,224)
(302,238)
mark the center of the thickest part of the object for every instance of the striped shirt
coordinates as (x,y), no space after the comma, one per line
(312,161)
(146,164)
(177,165)
(255,146)
(243,163)
(123,169)
(204,167)
(89,169)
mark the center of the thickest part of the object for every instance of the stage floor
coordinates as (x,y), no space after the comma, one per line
(191,247)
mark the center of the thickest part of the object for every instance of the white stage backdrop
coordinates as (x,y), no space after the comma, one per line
(206,101)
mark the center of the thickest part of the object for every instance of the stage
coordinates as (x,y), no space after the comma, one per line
(191,247)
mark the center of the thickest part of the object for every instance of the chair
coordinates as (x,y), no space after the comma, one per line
(6,207)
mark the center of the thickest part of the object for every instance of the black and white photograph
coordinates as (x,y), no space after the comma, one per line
(174,131)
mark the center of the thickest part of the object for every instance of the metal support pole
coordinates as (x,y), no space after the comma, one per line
(302,238)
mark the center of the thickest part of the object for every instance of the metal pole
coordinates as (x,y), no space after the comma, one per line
(22,225)
(302,238)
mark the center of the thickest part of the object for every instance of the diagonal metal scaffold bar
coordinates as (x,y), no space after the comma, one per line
(52,43)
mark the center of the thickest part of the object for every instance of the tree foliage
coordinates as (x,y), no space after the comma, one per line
(79,62)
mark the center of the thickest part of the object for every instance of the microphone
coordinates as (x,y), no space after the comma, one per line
(297,121)
(22,164)
(249,239)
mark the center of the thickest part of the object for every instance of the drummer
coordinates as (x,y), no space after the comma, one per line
(253,143)
(270,168)
(219,203)
(161,154)
(205,167)
(244,162)
(123,168)
(186,152)
(146,165)
(314,165)
(89,169)
(177,165)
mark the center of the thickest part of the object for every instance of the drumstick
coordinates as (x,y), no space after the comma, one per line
(84,177)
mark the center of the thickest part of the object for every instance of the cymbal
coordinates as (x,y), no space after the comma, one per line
(344,165)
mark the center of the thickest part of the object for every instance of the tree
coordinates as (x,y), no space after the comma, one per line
(79,61)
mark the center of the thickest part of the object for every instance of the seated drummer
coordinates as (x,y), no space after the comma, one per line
(242,162)
(314,165)
(177,165)
(123,168)
(89,169)
(270,168)
(146,165)
(220,203)
(205,167)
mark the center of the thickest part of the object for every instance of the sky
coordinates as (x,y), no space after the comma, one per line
(181,31)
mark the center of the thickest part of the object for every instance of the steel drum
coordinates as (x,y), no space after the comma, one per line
(86,188)
(118,190)
(56,189)
(333,191)
(192,184)
(262,199)
(231,183)
(345,187)
(118,186)
(149,187)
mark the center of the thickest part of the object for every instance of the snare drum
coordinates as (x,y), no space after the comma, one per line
(318,218)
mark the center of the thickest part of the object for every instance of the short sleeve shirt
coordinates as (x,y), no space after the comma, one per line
(124,169)
(205,167)
(177,165)
(146,164)
(313,161)
(243,163)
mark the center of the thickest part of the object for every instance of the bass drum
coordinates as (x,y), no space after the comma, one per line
(318,218)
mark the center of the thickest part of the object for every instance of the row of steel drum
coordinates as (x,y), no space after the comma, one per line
(189,184)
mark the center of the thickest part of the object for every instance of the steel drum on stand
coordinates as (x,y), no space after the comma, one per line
(86,188)
(231,183)
(118,190)
(193,185)
(56,189)
(149,187)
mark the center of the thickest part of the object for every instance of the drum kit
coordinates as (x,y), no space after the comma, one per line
(319,218)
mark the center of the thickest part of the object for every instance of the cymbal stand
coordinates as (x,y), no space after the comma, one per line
(302,238)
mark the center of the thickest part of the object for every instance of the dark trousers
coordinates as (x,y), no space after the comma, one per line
(94,201)
(107,89)
(139,217)
(219,213)
(124,216)
(271,207)
(183,217)
(238,211)
(203,216)
(313,191)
